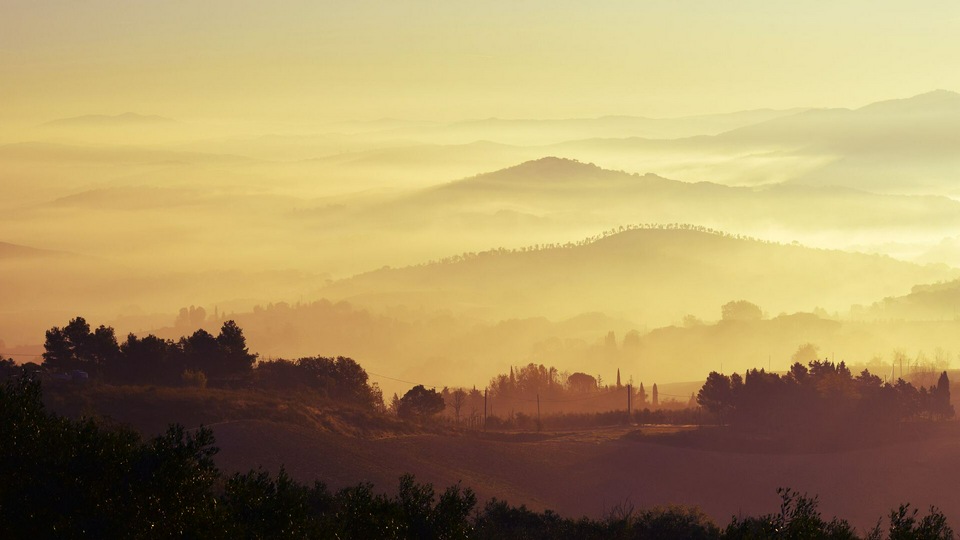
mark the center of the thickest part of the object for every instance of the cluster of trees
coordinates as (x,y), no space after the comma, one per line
(520,391)
(339,378)
(78,478)
(466,256)
(198,358)
(821,393)
(419,403)
(554,421)
(149,360)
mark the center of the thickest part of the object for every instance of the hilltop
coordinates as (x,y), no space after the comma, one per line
(554,194)
(652,274)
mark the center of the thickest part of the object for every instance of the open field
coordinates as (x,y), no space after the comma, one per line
(575,472)
(591,472)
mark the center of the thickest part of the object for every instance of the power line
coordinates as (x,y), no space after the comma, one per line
(434,386)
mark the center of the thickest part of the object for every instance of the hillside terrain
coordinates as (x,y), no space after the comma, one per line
(638,467)
(653,275)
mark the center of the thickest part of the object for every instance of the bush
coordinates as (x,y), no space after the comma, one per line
(194,378)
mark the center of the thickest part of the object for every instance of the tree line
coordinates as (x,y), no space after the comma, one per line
(200,359)
(151,360)
(821,393)
(82,479)
(520,389)
(471,255)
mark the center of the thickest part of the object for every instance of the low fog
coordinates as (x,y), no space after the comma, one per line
(465,247)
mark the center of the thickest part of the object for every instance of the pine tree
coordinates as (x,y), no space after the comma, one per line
(942,397)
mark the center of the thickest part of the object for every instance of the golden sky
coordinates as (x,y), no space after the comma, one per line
(307,61)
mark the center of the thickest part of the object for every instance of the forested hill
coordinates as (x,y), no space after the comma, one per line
(654,274)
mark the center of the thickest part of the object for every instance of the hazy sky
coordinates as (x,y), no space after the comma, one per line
(308,61)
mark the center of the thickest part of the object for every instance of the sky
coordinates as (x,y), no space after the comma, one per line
(303,62)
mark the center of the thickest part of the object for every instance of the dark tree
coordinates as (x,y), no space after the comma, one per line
(715,395)
(420,402)
(148,360)
(581,382)
(201,352)
(235,359)
(941,397)
(75,347)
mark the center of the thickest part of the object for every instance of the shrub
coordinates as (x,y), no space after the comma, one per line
(194,377)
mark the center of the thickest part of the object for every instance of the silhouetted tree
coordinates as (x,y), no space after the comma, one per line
(941,397)
(798,519)
(805,353)
(201,352)
(147,360)
(631,340)
(75,347)
(905,526)
(581,382)
(715,395)
(420,402)
(234,357)
(741,310)
(395,404)
(457,399)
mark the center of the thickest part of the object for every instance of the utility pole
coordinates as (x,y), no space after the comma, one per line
(484,409)
(538,411)
(629,397)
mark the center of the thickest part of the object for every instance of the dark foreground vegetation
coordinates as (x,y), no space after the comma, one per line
(83,479)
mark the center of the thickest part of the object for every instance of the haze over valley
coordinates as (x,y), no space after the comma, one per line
(667,247)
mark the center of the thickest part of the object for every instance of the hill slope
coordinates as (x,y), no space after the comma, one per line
(553,199)
(652,275)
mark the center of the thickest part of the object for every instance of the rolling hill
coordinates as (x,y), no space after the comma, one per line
(553,199)
(653,275)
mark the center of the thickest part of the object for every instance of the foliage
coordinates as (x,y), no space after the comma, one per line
(195,378)
(148,359)
(821,395)
(421,403)
(557,392)
(77,478)
(199,359)
(339,378)
(75,346)
(740,310)
(798,520)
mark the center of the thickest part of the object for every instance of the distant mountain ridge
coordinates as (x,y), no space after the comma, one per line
(564,189)
(17,251)
(929,102)
(900,146)
(106,120)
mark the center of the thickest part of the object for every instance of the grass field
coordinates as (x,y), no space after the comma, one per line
(575,472)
